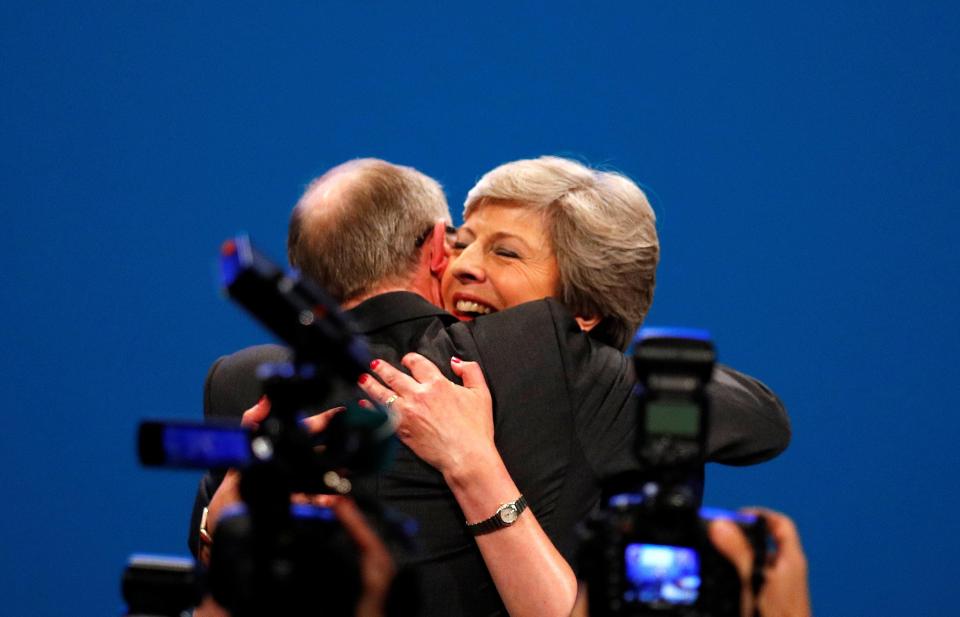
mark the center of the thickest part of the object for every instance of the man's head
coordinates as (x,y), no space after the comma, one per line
(363,226)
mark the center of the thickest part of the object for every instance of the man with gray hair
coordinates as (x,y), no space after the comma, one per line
(358,229)
(369,232)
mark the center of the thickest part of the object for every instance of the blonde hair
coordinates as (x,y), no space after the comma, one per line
(603,232)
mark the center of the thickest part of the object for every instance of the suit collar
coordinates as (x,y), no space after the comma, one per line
(388,309)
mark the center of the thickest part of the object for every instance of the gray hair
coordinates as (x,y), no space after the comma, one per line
(362,224)
(603,232)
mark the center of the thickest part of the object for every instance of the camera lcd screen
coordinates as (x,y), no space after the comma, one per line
(659,574)
(673,418)
(205,446)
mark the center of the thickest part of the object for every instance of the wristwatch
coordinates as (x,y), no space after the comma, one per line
(506,515)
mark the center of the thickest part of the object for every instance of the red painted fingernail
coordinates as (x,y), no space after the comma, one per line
(456,360)
(374,364)
(363,379)
(365,403)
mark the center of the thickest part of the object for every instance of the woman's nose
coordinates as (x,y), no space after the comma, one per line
(467,268)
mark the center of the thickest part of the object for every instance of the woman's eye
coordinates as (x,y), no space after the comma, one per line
(506,253)
(459,246)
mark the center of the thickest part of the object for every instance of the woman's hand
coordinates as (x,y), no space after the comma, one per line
(451,428)
(448,426)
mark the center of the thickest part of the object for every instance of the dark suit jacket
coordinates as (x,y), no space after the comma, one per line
(562,418)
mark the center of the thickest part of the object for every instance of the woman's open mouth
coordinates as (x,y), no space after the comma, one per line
(470,308)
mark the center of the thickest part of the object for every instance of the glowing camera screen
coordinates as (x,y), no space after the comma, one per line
(658,574)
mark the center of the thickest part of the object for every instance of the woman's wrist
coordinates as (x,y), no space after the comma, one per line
(470,467)
(481,484)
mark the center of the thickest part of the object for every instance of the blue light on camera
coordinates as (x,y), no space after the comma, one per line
(660,574)
(652,332)
(712,514)
(309,511)
(205,446)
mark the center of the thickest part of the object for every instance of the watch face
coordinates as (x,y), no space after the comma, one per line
(509,514)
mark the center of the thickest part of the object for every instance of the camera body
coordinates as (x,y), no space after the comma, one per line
(647,551)
(306,562)
(270,556)
(641,559)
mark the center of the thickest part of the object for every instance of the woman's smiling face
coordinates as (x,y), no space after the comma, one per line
(502,257)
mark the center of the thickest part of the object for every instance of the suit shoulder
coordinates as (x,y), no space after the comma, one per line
(232,386)
(531,320)
(248,359)
(749,421)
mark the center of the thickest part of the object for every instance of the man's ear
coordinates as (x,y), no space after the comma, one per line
(439,257)
(587,323)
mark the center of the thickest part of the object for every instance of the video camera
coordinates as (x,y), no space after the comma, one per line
(270,557)
(647,552)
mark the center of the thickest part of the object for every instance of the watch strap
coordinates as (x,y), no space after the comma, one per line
(506,515)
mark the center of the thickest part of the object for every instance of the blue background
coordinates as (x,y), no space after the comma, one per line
(802,160)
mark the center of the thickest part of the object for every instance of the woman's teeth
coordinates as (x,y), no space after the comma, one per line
(466,306)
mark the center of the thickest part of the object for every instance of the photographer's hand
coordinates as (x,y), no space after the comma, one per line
(376,565)
(785,591)
(377,568)
(228,493)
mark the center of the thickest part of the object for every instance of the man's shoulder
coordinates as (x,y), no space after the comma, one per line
(395,309)
(540,344)
(232,385)
(546,325)
(544,310)
(539,318)
(246,360)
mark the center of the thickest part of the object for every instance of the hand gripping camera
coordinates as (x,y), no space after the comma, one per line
(270,557)
(646,552)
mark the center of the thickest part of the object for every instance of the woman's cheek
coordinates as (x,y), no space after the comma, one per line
(446,291)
